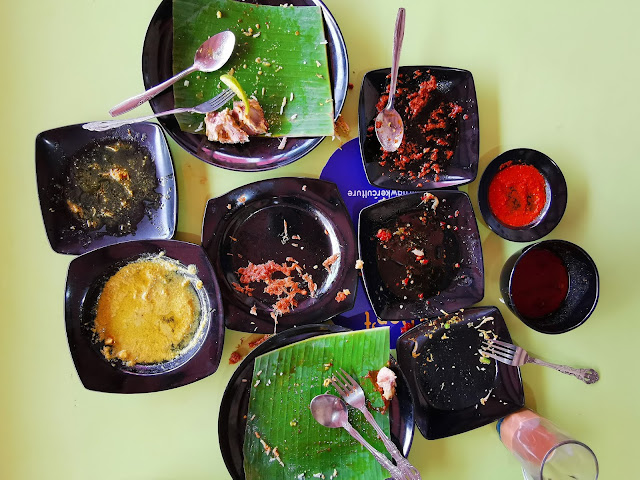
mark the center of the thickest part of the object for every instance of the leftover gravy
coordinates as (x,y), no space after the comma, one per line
(431,128)
(419,256)
(148,311)
(111,185)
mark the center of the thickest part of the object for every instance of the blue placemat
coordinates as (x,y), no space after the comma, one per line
(346,170)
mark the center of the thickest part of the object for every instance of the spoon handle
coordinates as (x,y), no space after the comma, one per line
(382,460)
(395,59)
(409,470)
(138,100)
(109,124)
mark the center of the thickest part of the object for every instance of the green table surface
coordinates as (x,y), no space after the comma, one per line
(558,76)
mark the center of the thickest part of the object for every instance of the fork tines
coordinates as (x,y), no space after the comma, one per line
(500,351)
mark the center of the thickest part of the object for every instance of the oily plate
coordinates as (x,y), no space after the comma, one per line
(447,287)
(247,225)
(86,277)
(556,191)
(54,151)
(235,400)
(260,153)
(446,378)
(453,85)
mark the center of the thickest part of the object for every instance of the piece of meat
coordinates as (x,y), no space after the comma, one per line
(387,381)
(224,127)
(254,123)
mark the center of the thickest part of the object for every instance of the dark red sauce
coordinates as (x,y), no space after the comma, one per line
(539,284)
(517,194)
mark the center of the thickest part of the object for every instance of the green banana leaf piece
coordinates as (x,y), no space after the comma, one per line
(280,57)
(284,383)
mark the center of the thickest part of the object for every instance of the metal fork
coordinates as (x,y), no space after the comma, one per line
(516,356)
(206,107)
(352,393)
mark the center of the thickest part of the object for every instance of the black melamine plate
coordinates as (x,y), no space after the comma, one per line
(453,278)
(54,151)
(453,85)
(235,401)
(261,153)
(556,190)
(87,275)
(446,378)
(246,225)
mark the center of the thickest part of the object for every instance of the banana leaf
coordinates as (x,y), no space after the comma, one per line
(284,383)
(280,58)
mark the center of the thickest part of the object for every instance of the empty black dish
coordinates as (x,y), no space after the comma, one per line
(249,224)
(582,293)
(261,153)
(453,276)
(453,391)
(55,150)
(556,195)
(85,280)
(235,400)
(454,87)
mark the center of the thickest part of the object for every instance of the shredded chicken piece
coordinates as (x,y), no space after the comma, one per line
(387,381)
(234,126)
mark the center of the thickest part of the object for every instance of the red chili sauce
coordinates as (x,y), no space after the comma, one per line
(517,194)
(539,284)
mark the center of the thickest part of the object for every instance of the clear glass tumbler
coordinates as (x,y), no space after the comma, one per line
(544,451)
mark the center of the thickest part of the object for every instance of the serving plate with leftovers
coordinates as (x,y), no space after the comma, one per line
(143,316)
(421,254)
(455,388)
(303,374)
(439,109)
(101,188)
(289,58)
(284,253)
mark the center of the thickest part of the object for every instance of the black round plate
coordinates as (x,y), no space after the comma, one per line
(235,401)
(246,224)
(261,153)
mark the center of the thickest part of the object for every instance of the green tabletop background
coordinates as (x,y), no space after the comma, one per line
(558,76)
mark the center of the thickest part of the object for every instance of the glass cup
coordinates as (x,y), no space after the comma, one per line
(544,451)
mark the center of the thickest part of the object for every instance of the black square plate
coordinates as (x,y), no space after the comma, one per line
(54,151)
(86,278)
(247,225)
(453,276)
(453,391)
(454,86)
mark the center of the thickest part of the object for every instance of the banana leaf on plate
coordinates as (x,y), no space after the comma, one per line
(280,58)
(283,440)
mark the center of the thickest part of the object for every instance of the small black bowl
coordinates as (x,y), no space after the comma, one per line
(582,294)
(454,86)
(556,192)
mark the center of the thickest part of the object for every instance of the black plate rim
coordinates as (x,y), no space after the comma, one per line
(273,343)
(93,371)
(387,182)
(217,215)
(404,314)
(506,372)
(162,159)
(339,69)
(557,205)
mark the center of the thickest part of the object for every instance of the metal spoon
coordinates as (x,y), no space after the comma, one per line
(211,56)
(389,128)
(331,411)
